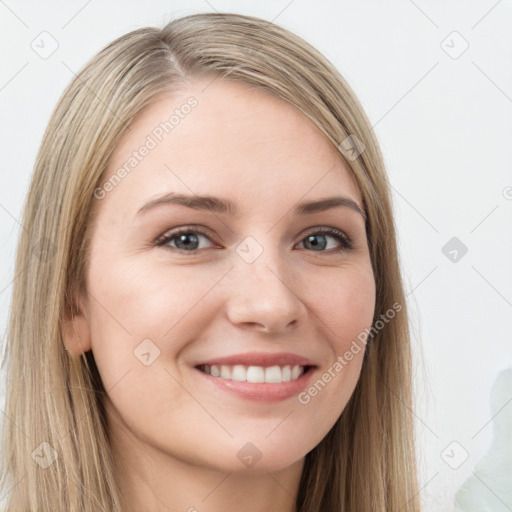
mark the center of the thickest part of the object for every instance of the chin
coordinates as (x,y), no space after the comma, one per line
(250,457)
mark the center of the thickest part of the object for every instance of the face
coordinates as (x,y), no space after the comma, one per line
(213,326)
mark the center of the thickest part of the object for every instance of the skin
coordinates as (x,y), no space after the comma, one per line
(175,439)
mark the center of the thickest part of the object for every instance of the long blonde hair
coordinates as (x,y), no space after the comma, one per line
(366,462)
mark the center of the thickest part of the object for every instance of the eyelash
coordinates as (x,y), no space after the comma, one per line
(344,240)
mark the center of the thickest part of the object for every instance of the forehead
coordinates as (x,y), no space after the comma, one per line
(228,139)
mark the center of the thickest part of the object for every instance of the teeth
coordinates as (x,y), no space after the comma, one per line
(297,372)
(225,372)
(239,373)
(273,374)
(255,374)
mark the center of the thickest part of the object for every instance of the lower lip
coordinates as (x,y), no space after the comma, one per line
(262,392)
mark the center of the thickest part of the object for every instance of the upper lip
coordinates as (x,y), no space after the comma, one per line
(264,359)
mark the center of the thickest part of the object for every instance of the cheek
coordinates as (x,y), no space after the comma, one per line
(138,309)
(346,310)
(345,304)
(139,324)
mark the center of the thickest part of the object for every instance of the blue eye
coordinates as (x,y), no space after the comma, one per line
(319,246)
(187,240)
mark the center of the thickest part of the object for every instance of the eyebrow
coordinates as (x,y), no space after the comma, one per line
(217,205)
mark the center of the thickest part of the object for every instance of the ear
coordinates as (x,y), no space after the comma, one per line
(75,328)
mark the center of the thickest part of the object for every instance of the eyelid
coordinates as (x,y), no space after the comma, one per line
(171,233)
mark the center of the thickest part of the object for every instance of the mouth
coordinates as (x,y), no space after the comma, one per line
(255,374)
(258,376)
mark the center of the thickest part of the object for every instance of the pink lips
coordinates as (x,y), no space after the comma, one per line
(260,359)
(263,392)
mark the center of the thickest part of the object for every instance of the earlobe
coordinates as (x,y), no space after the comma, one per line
(75,331)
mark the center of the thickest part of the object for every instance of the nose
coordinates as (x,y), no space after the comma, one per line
(263,296)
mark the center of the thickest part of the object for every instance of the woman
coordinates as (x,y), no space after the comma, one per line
(209,313)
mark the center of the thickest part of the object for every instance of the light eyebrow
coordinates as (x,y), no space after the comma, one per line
(208,203)
(321,205)
(217,205)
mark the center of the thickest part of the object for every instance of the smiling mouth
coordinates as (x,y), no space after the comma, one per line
(255,374)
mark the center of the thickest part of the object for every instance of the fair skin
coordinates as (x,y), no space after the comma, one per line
(176,435)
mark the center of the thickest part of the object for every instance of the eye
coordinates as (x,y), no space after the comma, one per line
(185,239)
(317,240)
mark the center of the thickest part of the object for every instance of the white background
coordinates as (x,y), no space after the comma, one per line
(445,127)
